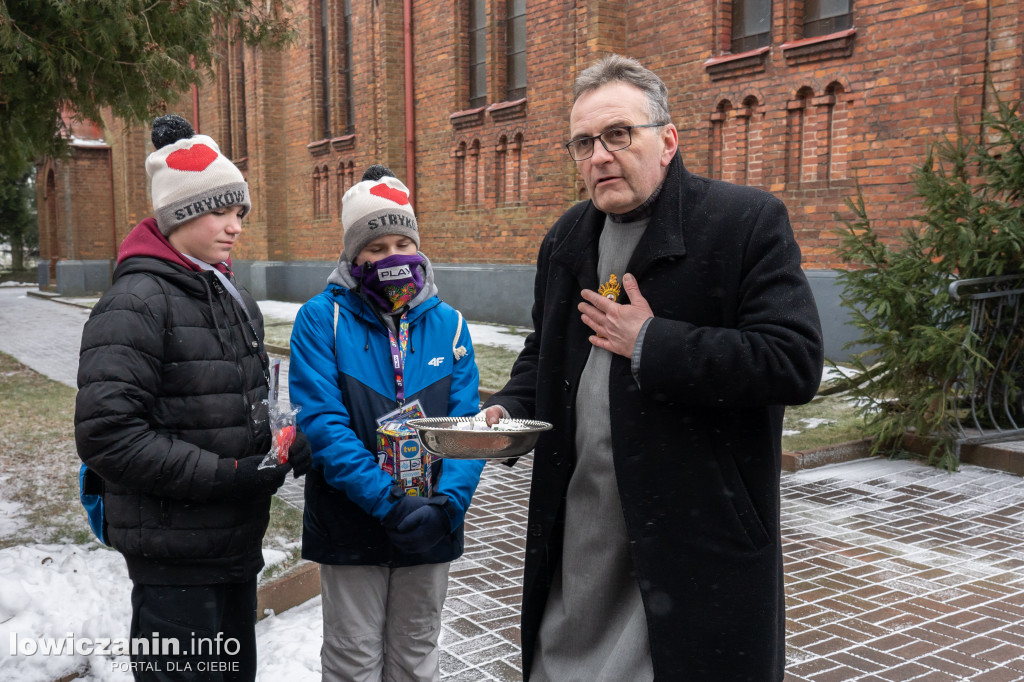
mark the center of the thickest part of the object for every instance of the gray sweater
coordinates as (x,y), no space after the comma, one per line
(594,627)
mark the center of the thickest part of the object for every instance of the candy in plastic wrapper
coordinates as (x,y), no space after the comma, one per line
(282,428)
(283,440)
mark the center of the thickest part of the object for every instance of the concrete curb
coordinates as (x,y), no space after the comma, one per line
(299,585)
(996,456)
(278,350)
(829,454)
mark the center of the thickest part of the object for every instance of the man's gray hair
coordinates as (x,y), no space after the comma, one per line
(618,69)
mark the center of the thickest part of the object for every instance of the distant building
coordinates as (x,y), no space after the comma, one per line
(468,103)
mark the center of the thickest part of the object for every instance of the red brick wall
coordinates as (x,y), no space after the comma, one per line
(807,122)
(92,204)
(75,211)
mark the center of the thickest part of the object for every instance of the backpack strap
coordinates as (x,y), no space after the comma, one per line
(336,310)
(458,351)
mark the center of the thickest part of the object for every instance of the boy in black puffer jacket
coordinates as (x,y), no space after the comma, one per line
(172,415)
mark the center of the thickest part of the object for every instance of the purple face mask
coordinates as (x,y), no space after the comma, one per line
(391,282)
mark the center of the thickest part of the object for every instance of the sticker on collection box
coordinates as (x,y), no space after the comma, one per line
(400,454)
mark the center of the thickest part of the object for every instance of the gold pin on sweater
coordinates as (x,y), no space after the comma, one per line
(611,288)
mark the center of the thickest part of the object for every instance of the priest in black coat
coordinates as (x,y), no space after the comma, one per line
(672,325)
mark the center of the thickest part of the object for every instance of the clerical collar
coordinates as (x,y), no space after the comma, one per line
(644,210)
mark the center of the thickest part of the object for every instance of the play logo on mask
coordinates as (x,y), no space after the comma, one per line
(391,282)
(394,273)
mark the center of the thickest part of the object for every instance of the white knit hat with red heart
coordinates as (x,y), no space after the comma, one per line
(378,205)
(190,175)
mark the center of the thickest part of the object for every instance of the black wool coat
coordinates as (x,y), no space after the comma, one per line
(697,444)
(171,379)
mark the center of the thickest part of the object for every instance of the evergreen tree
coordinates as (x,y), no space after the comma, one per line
(972,226)
(76,57)
(18,225)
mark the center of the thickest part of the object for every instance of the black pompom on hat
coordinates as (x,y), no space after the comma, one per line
(169,129)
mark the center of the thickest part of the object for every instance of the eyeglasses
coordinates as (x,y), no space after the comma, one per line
(612,140)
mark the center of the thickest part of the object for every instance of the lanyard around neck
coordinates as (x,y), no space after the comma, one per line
(398,350)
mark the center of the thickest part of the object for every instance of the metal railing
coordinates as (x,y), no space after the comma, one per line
(988,398)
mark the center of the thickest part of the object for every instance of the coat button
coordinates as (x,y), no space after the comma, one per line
(568,386)
(536,530)
(556,462)
(255,344)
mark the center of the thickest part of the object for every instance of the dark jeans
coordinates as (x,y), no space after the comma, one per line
(214,625)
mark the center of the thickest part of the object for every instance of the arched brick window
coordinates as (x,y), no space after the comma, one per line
(325,192)
(501,177)
(343,181)
(835,157)
(716,145)
(332,99)
(316,192)
(474,174)
(517,169)
(796,138)
(54,246)
(460,175)
(752,171)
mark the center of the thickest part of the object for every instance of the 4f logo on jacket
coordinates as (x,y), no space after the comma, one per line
(436,362)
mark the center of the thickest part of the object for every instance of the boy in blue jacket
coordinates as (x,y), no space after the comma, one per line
(376,339)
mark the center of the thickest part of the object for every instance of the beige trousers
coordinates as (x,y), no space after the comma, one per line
(382,624)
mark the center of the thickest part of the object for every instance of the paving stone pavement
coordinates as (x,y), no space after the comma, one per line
(894,570)
(897,571)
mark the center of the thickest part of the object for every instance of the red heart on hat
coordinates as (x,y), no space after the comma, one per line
(195,158)
(388,192)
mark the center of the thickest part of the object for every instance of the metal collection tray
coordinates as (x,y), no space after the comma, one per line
(442,436)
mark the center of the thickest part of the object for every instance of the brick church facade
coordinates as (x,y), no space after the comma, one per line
(468,103)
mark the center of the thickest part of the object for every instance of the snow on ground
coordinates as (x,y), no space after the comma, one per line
(493,335)
(815,422)
(830,373)
(482,334)
(279,310)
(83,591)
(53,591)
(10,514)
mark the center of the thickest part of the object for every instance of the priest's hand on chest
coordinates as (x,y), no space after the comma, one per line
(616,325)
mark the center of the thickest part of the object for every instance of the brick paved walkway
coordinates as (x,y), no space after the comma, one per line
(894,571)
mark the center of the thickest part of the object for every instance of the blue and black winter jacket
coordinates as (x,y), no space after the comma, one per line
(344,381)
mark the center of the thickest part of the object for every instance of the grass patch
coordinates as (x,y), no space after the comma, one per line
(38,462)
(28,276)
(39,468)
(277,332)
(826,420)
(283,533)
(494,364)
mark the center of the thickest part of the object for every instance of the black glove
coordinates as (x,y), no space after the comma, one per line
(423,527)
(300,455)
(404,506)
(242,478)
